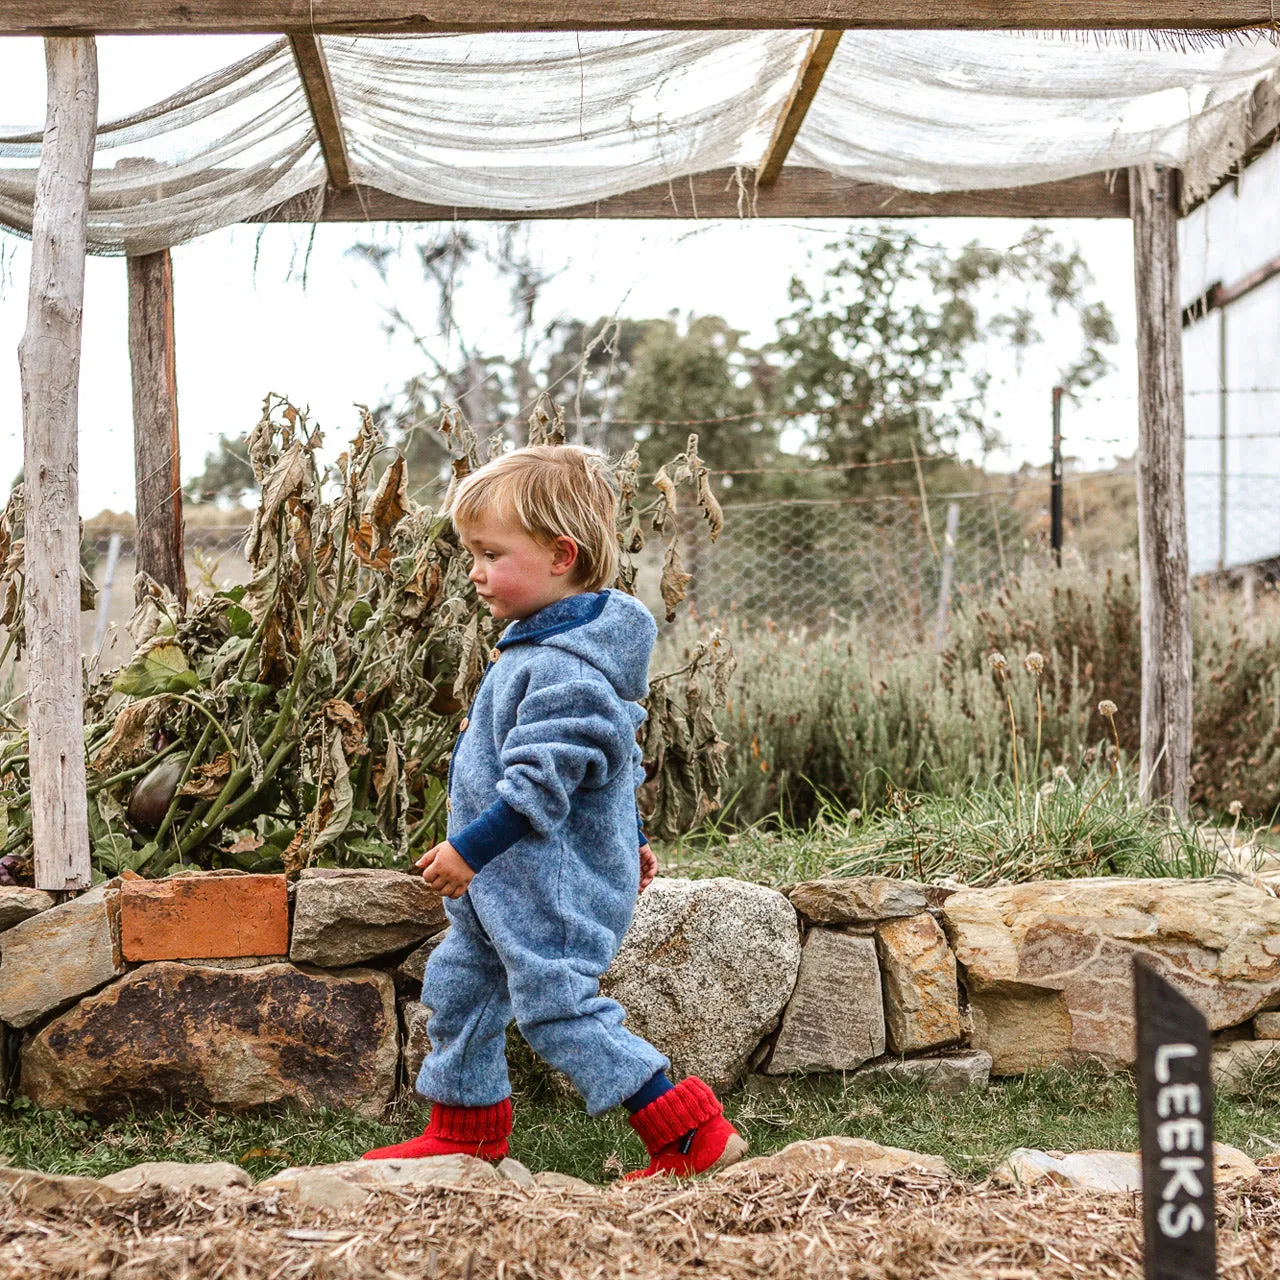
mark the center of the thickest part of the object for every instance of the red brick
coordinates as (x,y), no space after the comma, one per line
(204,917)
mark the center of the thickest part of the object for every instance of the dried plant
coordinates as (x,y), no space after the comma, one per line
(309,714)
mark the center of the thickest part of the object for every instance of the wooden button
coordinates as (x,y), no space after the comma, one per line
(494,654)
(462,728)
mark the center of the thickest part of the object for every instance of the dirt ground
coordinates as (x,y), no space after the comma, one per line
(784,1226)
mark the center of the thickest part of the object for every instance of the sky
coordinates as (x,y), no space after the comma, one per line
(278,310)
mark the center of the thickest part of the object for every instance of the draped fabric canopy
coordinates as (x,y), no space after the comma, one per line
(550,120)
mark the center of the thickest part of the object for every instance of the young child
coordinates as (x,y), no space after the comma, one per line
(541,869)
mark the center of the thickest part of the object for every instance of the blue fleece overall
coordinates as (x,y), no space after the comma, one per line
(542,789)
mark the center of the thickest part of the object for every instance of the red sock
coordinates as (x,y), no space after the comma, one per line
(456,1131)
(685,1132)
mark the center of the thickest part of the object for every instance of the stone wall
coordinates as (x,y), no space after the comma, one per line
(239,990)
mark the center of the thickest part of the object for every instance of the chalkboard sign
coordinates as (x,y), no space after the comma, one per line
(1175,1123)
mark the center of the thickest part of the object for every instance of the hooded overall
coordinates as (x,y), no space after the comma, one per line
(542,787)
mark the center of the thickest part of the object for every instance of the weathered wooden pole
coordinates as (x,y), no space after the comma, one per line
(49,362)
(1165,758)
(156,456)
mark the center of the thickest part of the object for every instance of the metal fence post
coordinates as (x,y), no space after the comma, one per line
(104,596)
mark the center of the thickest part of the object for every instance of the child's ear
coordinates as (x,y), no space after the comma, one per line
(565,556)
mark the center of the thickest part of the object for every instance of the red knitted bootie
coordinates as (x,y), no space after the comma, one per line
(456,1131)
(685,1132)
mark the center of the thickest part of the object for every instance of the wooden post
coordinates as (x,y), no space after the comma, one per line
(1162,514)
(156,454)
(942,621)
(49,363)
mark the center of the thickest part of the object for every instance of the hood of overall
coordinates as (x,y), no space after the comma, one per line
(611,630)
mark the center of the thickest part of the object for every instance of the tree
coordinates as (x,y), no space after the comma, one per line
(680,378)
(227,474)
(883,357)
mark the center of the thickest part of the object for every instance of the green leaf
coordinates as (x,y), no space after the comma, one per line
(159,667)
(234,594)
(114,853)
(360,613)
(240,620)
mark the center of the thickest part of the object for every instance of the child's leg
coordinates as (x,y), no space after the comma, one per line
(465,1074)
(465,987)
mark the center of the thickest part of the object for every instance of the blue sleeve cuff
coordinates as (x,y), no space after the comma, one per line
(492,833)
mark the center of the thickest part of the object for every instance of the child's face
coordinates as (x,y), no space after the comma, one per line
(515,575)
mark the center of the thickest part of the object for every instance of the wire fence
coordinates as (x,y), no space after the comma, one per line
(896,563)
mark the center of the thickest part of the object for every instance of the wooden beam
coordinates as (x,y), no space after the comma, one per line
(1165,755)
(816,61)
(369,17)
(798,193)
(156,454)
(313,67)
(49,362)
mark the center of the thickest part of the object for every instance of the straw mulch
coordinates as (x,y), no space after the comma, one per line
(842,1224)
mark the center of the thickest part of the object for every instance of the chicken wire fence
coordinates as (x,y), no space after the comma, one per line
(887,561)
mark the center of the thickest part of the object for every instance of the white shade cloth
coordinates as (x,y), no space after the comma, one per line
(543,121)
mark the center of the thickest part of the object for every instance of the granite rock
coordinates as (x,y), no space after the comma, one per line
(704,972)
(413,1038)
(45,1191)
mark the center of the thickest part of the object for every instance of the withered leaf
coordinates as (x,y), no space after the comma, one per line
(390,505)
(675,581)
(126,744)
(207,780)
(344,717)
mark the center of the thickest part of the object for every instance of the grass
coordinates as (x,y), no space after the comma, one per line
(1087,826)
(1068,1109)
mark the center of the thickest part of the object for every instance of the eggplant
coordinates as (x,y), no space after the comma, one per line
(153,793)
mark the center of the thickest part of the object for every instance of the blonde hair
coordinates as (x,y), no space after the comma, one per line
(550,491)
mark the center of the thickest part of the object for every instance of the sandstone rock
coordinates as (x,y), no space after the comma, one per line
(1243,1067)
(347,916)
(827,1155)
(834,1020)
(19,903)
(562,1182)
(212,916)
(173,1175)
(1108,1170)
(316,1189)
(1217,940)
(233,1038)
(950,1073)
(427,1171)
(52,958)
(704,972)
(1266,1026)
(45,1191)
(921,997)
(515,1172)
(410,970)
(857,899)
(413,1038)
(1022,1029)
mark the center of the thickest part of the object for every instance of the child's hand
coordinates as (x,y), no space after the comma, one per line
(445,871)
(648,867)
